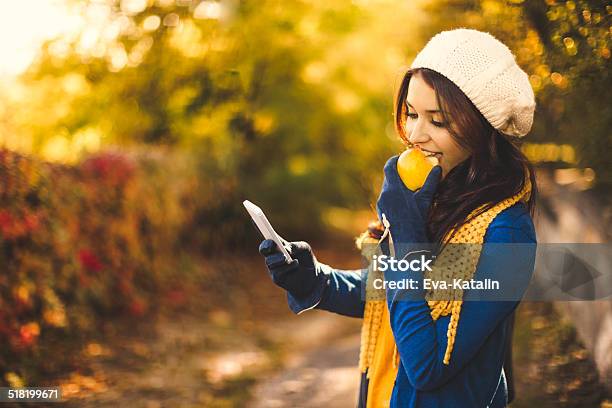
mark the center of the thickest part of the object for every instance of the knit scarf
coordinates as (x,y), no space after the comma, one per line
(378,354)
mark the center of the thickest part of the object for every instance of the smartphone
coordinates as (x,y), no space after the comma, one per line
(264,226)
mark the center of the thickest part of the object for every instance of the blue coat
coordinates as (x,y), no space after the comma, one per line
(476,376)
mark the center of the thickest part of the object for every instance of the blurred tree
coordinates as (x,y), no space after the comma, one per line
(288,102)
(576,38)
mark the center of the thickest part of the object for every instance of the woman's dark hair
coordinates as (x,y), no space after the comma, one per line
(494,171)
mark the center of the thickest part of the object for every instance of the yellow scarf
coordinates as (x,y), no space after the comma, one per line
(378,354)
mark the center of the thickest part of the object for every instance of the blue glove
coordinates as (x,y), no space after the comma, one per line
(405,209)
(406,212)
(301,276)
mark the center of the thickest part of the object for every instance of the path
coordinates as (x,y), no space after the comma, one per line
(223,357)
(323,373)
(191,362)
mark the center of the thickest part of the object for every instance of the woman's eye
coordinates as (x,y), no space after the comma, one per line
(433,122)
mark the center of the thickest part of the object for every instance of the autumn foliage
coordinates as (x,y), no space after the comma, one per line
(82,244)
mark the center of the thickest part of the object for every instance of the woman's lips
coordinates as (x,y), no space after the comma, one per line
(437,155)
(429,153)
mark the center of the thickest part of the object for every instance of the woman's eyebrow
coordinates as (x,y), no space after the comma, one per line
(428,111)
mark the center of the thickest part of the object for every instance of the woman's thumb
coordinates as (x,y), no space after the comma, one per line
(267,247)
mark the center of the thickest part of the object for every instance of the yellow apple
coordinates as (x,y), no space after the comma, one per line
(414,167)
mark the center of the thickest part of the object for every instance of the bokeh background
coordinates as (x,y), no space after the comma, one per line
(131,131)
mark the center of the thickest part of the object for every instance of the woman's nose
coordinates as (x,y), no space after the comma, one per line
(417,134)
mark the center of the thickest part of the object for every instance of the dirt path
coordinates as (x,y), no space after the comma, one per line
(188,361)
(232,343)
(323,372)
(241,352)
(183,362)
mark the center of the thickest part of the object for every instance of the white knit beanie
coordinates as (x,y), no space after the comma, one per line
(487,73)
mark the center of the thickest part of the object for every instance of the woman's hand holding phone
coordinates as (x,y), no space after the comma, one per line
(301,275)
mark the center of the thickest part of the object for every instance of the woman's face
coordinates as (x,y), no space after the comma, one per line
(425,127)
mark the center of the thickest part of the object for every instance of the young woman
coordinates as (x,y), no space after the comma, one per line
(466,101)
